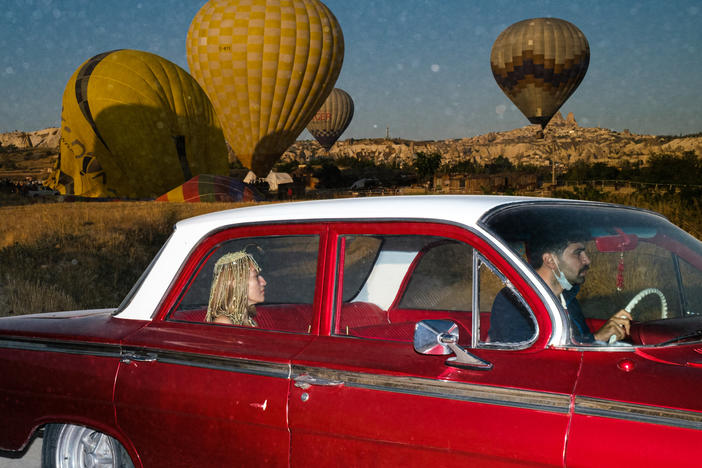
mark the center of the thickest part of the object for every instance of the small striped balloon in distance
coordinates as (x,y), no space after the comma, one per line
(332,118)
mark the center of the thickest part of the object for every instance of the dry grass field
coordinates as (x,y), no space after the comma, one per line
(63,256)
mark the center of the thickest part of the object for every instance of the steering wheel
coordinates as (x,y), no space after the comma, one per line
(636,299)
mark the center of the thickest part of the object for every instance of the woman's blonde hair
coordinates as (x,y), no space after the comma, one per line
(229,295)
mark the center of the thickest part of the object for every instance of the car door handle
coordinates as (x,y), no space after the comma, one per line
(305,381)
(129,356)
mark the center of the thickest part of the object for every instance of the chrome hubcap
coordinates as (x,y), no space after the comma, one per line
(80,447)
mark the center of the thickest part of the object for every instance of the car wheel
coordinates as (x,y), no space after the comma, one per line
(70,446)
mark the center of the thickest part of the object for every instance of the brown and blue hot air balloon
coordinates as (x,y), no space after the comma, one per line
(539,63)
(332,118)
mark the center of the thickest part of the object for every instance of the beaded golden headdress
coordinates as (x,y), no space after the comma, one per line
(229,294)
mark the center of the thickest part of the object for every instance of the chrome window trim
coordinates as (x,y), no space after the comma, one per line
(86,348)
(436,388)
(588,406)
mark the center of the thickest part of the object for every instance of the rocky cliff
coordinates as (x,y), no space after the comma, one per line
(563,142)
(47,138)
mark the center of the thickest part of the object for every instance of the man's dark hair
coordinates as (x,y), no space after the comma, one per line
(553,242)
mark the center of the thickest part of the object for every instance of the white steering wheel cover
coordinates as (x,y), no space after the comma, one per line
(635,300)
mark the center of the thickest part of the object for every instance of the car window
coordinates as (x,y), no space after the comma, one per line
(288,265)
(506,321)
(386,284)
(616,277)
(637,261)
(691,279)
(442,278)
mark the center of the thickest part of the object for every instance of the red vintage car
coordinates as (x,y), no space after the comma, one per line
(398,331)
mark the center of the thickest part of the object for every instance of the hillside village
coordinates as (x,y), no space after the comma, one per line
(564,142)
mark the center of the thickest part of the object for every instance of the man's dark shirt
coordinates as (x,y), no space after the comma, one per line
(511,321)
(581,332)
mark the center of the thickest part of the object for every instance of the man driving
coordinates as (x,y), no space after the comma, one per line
(562,262)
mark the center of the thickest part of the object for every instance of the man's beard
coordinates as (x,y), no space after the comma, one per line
(580,278)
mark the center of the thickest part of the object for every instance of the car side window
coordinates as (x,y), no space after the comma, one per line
(287,266)
(614,278)
(506,321)
(692,288)
(386,284)
(442,278)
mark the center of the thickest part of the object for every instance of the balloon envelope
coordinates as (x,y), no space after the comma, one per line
(134,125)
(539,63)
(332,118)
(267,66)
(212,188)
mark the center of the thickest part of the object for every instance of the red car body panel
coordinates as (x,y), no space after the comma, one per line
(233,408)
(390,404)
(179,392)
(625,400)
(59,369)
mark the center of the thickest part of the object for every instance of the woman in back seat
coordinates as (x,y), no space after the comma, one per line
(236,288)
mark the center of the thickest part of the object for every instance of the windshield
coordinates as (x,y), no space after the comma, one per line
(631,260)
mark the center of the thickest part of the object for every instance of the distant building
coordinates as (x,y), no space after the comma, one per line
(479,183)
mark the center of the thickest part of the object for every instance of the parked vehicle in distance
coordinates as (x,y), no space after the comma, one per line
(366,184)
(375,344)
(42,192)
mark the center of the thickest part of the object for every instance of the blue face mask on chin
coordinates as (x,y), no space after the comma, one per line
(562,280)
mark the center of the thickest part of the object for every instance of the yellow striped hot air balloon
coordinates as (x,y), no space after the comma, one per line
(135,125)
(539,63)
(332,118)
(267,66)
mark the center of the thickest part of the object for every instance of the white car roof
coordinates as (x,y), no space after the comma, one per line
(461,209)
(464,209)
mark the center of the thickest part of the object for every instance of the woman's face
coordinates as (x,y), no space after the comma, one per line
(257,286)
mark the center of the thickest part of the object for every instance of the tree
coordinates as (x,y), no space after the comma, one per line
(330,176)
(426,166)
(499,165)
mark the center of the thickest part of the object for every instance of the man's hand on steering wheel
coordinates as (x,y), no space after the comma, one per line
(618,324)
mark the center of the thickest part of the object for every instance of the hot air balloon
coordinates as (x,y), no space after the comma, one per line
(332,118)
(134,125)
(267,66)
(212,188)
(539,63)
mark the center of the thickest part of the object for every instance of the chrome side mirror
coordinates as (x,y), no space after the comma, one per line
(440,337)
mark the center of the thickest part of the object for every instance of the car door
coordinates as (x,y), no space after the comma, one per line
(196,393)
(626,394)
(362,396)
(637,408)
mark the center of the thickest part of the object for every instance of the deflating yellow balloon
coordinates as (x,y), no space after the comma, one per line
(135,125)
(267,66)
(332,118)
(539,63)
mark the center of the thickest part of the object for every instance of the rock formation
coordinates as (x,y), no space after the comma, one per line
(47,138)
(564,142)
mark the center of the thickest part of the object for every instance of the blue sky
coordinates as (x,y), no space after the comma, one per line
(419,67)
